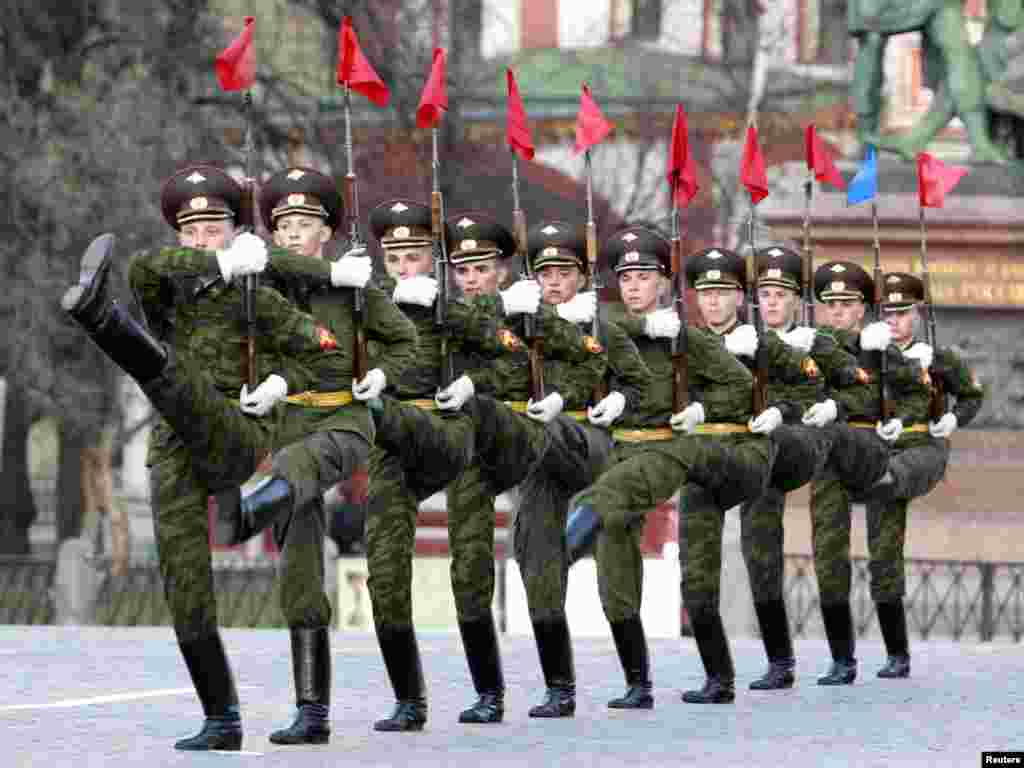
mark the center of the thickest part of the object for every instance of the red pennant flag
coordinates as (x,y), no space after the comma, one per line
(434,100)
(517,130)
(591,126)
(935,179)
(820,161)
(236,64)
(682,171)
(355,71)
(752,172)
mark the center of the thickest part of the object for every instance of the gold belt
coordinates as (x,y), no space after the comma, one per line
(643,435)
(722,428)
(321,399)
(519,406)
(424,404)
(872,425)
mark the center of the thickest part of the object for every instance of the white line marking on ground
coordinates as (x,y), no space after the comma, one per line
(112,698)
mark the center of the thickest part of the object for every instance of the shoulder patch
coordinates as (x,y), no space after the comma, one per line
(325,338)
(592,345)
(862,376)
(810,368)
(509,340)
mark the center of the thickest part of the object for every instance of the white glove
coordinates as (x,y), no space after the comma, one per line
(352,271)
(801,338)
(662,324)
(890,431)
(688,419)
(247,255)
(821,414)
(258,402)
(608,410)
(545,410)
(921,352)
(875,337)
(944,427)
(766,421)
(521,298)
(454,396)
(742,341)
(419,289)
(581,308)
(371,386)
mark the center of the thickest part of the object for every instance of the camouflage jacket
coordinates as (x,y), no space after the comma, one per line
(908,384)
(958,381)
(840,377)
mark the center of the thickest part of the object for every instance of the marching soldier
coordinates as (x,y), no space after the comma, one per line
(188,366)
(917,463)
(846,291)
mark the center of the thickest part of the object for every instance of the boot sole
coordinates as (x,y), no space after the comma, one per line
(94,266)
(398,729)
(319,738)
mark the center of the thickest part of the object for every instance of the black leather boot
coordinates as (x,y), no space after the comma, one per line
(771,617)
(402,659)
(211,675)
(631,645)
(838,621)
(311,666)
(239,517)
(892,619)
(581,529)
(719,688)
(480,640)
(554,646)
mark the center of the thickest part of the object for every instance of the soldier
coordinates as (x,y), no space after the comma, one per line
(846,291)
(189,369)
(917,463)
(418,450)
(509,439)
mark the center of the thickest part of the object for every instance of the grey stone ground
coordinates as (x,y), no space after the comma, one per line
(962,699)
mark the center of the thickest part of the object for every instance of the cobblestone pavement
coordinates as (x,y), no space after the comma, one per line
(84,697)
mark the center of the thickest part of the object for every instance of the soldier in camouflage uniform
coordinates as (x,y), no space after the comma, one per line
(854,468)
(917,463)
(189,369)
(510,439)
(578,446)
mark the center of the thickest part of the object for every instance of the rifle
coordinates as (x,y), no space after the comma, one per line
(759,396)
(808,263)
(360,361)
(533,338)
(247,218)
(678,345)
(937,405)
(440,246)
(886,410)
(601,388)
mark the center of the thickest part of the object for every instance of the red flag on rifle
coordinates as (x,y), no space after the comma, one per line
(752,172)
(935,179)
(236,64)
(682,171)
(517,130)
(434,99)
(355,71)
(591,126)
(820,161)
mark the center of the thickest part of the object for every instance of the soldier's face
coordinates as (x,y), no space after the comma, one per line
(639,289)
(207,235)
(479,278)
(901,323)
(719,306)
(401,263)
(778,305)
(559,284)
(302,234)
(844,314)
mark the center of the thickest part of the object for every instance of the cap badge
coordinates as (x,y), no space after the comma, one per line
(400,233)
(550,229)
(465,222)
(195,178)
(630,257)
(296,199)
(897,296)
(892,279)
(838,285)
(399,207)
(629,237)
(198,203)
(838,268)
(295,174)
(715,255)
(549,251)
(467,245)
(713,274)
(773,272)
(776,252)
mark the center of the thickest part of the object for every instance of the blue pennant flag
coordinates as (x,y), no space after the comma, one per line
(864,186)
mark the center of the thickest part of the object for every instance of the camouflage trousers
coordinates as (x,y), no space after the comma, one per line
(859,459)
(916,468)
(417,453)
(508,445)
(640,476)
(800,454)
(572,460)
